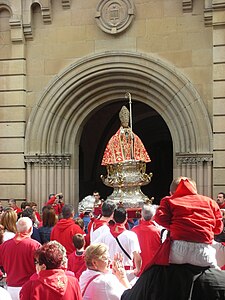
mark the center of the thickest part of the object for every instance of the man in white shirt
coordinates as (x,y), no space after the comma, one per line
(100,225)
(121,240)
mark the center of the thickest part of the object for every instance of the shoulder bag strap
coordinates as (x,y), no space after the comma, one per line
(124,251)
(89,281)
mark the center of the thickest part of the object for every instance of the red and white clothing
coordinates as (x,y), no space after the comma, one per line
(127,239)
(17,258)
(97,227)
(57,206)
(221,206)
(76,263)
(17,209)
(63,232)
(8,235)
(38,216)
(51,284)
(149,239)
(189,217)
(103,287)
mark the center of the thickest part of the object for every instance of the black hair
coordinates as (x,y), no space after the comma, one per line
(120,215)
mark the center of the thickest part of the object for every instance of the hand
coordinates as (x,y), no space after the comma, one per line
(117,265)
(119,271)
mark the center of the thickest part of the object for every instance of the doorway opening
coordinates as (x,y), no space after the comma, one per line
(151,129)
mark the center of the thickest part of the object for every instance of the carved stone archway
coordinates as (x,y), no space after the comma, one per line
(55,124)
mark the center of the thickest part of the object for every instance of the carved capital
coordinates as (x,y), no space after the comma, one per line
(48,160)
(193,158)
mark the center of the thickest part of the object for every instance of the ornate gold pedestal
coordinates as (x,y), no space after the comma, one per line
(127,178)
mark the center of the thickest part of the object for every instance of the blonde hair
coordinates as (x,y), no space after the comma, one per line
(94,251)
(8,220)
(177,180)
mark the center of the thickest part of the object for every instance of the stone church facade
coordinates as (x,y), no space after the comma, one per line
(62,60)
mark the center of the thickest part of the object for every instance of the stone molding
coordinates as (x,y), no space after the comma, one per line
(187,6)
(193,158)
(66,4)
(212,7)
(218,4)
(48,159)
(114,16)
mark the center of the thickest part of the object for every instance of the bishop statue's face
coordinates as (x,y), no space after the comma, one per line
(125,124)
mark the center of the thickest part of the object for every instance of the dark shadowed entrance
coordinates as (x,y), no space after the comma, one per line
(152,130)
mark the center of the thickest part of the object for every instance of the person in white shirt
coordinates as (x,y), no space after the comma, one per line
(98,282)
(123,241)
(100,225)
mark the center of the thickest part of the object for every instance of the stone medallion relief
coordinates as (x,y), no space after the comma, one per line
(114,16)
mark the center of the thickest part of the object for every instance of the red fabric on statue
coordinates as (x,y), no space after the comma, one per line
(119,147)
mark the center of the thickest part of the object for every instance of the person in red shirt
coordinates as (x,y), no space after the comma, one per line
(33,205)
(76,262)
(12,204)
(17,257)
(51,282)
(221,200)
(65,229)
(192,220)
(148,236)
(56,201)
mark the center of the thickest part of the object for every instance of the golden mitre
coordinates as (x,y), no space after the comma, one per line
(124,115)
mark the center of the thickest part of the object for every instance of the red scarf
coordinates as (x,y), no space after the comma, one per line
(144,222)
(98,223)
(21,236)
(117,229)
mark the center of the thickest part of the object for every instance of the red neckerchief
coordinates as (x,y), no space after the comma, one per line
(21,236)
(144,222)
(98,223)
(117,229)
(184,188)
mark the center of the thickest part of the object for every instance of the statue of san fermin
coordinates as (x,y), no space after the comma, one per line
(125,158)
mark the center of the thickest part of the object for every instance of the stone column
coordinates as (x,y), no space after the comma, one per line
(218,23)
(198,166)
(48,173)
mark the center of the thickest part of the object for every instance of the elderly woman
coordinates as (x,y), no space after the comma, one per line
(51,282)
(98,282)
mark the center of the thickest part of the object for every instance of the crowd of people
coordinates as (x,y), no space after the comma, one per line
(176,250)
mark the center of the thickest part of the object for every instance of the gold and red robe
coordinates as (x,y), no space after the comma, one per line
(124,146)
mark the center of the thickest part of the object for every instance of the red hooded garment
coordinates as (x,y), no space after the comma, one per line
(63,233)
(51,285)
(189,216)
